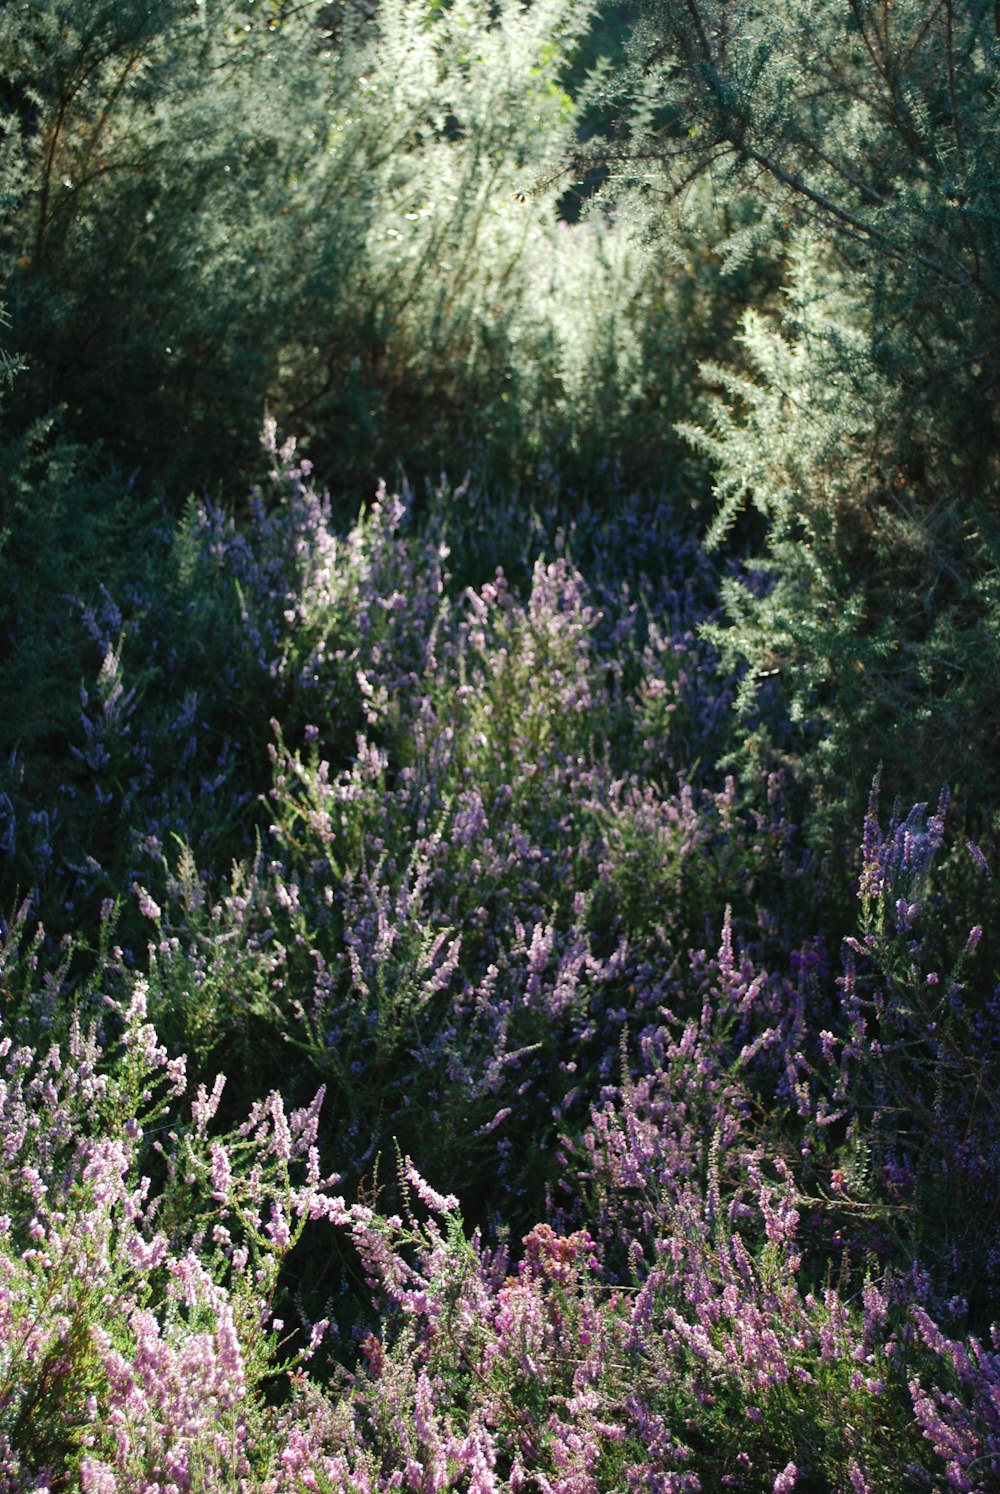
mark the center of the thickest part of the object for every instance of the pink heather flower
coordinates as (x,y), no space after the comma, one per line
(97,1478)
(277,1229)
(176,1074)
(281,1144)
(423,1410)
(786,1480)
(480,1457)
(143,1257)
(147,907)
(441,1203)
(414,1474)
(876,1309)
(229,1357)
(137,1006)
(316,1337)
(204,1107)
(304,1123)
(222,1173)
(322,1206)
(192,1283)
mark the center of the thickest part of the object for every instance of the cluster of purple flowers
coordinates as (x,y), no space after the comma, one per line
(694,1190)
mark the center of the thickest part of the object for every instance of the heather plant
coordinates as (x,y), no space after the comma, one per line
(416,889)
(964,1435)
(672,861)
(690,1193)
(483,832)
(215,969)
(711,1245)
(140,1258)
(917,1061)
(710,1371)
(61,602)
(148,691)
(709,1366)
(455,799)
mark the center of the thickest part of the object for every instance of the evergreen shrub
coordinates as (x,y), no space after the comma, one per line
(855,419)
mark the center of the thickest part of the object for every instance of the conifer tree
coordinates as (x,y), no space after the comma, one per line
(856,418)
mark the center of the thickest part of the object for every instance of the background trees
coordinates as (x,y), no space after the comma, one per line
(856,414)
(350,217)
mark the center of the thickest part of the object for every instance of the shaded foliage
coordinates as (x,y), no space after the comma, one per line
(858,416)
(498,846)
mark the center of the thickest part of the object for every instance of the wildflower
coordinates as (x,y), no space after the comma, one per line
(147,907)
(441,1203)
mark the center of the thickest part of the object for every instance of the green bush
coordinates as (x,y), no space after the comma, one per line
(353,221)
(857,423)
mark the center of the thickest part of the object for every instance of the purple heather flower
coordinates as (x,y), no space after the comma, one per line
(147,907)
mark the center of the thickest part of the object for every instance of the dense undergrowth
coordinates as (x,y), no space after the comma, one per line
(499,992)
(465,1084)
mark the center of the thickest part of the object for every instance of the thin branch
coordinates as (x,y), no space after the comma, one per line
(841,170)
(695,14)
(949,48)
(907,57)
(51,150)
(866,230)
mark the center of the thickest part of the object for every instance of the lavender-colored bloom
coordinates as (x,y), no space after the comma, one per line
(147,906)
